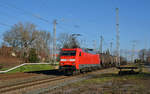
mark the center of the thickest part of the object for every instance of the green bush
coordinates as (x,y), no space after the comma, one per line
(1,66)
(33,57)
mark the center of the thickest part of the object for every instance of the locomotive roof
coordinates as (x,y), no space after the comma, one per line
(87,50)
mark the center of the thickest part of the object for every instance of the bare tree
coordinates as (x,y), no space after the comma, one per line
(42,43)
(66,40)
(23,37)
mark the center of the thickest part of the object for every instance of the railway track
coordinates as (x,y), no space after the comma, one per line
(64,82)
(17,75)
(37,85)
(71,79)
(18,86)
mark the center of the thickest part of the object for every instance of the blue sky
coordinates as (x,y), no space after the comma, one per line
(91,18)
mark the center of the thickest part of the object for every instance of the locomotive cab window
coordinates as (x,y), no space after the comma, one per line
(80,54)
(68,53)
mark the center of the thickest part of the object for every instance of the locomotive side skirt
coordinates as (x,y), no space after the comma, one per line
(81,66)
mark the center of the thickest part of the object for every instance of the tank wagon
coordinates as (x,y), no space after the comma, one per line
(147,61)
(77,60)
(108,60)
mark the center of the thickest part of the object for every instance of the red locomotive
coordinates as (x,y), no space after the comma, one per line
(76,60)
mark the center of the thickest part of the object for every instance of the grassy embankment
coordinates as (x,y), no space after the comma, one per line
(29,68)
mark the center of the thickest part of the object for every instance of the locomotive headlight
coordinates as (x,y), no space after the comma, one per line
(63,60)
(72,60)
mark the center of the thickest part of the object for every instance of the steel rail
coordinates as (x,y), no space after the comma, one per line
(29,84)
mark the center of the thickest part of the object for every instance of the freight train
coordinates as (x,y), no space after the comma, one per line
(77,60)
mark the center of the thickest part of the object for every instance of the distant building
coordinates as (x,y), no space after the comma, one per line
(7,51)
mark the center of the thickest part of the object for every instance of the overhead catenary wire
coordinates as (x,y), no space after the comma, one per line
(64,29)
(43,4)
(3,24)
(5,14)
(25,12)
(8,5)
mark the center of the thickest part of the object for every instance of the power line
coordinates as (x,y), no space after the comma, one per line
(4,14)
(25,12)
(3,24)
(12,16)
(43,4)
(64,29)
(6,5)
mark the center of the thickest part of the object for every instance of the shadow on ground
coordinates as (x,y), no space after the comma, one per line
(48,72)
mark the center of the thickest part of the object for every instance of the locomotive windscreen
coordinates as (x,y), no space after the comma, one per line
(68,53)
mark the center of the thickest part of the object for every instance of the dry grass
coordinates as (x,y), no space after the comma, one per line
(110,83)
